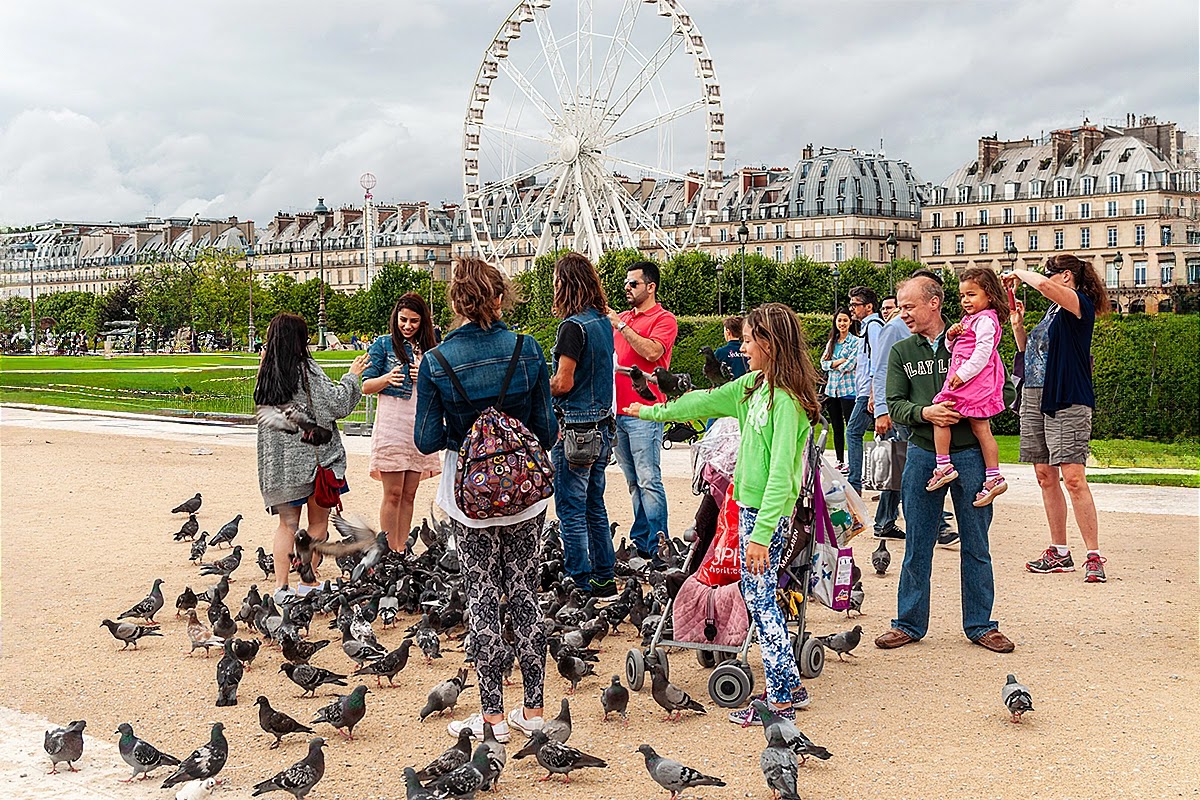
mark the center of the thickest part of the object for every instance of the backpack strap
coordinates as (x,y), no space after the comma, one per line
(512,368)
(458,387)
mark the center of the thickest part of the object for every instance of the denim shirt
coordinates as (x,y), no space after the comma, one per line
(480,359)
(383,361)
(591,398)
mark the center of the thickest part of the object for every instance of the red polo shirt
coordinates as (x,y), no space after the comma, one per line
(656,323)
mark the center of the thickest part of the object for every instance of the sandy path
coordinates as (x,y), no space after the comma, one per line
(85,529)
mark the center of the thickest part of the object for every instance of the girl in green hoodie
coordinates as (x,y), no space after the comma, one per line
(774,404)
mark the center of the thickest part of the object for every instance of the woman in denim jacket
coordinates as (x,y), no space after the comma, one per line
(395,459)
(499,556)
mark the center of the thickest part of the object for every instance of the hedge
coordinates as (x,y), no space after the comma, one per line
(1147,369)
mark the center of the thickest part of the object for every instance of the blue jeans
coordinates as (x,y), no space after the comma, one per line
(860,421)
(639,448)
(579,501)
(923,510)
(888,510)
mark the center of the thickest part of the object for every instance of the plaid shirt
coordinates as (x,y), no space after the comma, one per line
(840,382)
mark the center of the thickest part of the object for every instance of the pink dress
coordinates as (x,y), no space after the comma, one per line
(392,446)
(975,358)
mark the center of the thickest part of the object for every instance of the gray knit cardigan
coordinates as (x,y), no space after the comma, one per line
(287,467)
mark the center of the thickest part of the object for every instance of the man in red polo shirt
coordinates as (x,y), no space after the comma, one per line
(643,337)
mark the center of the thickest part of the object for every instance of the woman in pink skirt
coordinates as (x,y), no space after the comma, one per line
(395,459)
(975,382)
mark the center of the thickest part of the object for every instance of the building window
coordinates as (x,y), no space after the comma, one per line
(1061,185)
(723,235)
(818,229)
(779,253)
(778,231)
(758,250)
(882,256)
(1008,239)
(1008,216)
(1087,185)
(1032,213)
(1110,208)
(1060,240)
(797,251)
(964,194)
(1011,190)
(985,192)
(1059,212)
(1139,206)
(1033,242)
(1114,183)
(818,252)
(1112,236)
(1165,235)
(935,219)
(1139,273)
(759,232)
(839,228)
(1143,181)
(937,246)
(1110,275)
(1193,271)
(1035,188)
(983,242)
(960,219)
(983,216)
(1085,210)
(839,252)
(1166,274)
(960,245)
(1139,235)
(1085,237)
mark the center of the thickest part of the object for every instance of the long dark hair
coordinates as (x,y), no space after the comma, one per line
(424,338)
(577,286)
(833,331)
(788,366)
(475,288)
(1087,280)
(285,355)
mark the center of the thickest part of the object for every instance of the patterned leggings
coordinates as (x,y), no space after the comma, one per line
(504,560)
(779,663)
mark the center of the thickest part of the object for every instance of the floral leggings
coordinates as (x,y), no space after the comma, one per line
(503,560)
(779,663)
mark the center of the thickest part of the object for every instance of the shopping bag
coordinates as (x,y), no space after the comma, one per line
(847,511)
(832,564)
(722,564)
(883,464)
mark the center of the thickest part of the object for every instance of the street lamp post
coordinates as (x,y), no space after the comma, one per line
(1010,255)
(891,243)
(30,251)
(322,214)
(720,272)
(556,226)
(251,334)
(836,274)
(1118,262)
(431,257)
(743,236)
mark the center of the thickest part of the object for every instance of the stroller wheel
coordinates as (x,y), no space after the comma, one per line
(729,686)
(706,659)
(635,670)
(667,443)
(810,658)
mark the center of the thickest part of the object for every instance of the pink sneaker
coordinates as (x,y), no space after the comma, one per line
(941,477)
(992,488)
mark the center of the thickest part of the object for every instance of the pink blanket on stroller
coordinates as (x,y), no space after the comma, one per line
(698,607)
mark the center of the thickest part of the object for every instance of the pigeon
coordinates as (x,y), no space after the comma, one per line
(196,790)
(224,626)
(229,675)
(227,532)
(129,633)
(856,599)
(277,723)
(201,636)
(206,761)
(217,592)
(246,650)
(430,644)
(844,642)
(65,745)
(672,384)
(360,652)
(450,760)
(148,606)
(266,563)
(189,506)
(345,712)
(497,756)
(186,601)
(442,698)
(224,566)
(299,651)
(465,780)
(1016,697)
(574,669)
(557,758)
(673,776)
(388,666)
(310,678)
(188,530)
(559,728)
(673,699)
(358,536)
(715,370)
(294,418)
(413,788)
(640,384)
(881,559)
(139,754)
(778,765)
(300,778)
(198,548)
(775,726)
(615,699)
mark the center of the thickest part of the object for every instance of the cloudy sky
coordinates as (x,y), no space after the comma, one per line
(123,109)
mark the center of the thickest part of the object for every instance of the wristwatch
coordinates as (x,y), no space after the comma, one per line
(622,325)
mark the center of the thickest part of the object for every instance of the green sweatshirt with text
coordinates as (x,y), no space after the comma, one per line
(917,372)
(770,460)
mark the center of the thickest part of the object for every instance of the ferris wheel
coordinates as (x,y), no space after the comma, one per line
(604,115)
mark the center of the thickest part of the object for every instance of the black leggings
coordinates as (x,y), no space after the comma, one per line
(838,411)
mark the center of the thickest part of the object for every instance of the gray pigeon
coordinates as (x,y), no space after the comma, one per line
(129,633)
(413,788)
(224,626)
(277,723)
(844,642)
(881,559)
(672,699)
(574,669)
(229,675)
(557,758)
(559,728)
(224,566)
(198,548)
(140,754)
(444,696)
(188,530)
(388,666)
(186,601)
(189,506)
(65,745)
(1016,697)
(300,778)
(345,712)
(359,651)
(201,636)
(226,533)
(777,727)
(310,678)
(615,699)
(148,606)
(856,599)
(778,765)
(205,761)
(497,757)
(452,759)
(673,776)
(464,781)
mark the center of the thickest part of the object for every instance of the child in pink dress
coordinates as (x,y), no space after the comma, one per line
(975,382)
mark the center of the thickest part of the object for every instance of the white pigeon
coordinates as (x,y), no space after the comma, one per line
(196,790)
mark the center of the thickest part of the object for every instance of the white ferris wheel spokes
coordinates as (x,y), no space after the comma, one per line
(595,124)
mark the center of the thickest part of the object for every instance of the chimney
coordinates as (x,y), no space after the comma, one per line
(989,150)
(807,152)
(1061,140)
(1089,140)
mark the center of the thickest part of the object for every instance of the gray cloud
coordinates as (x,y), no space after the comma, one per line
(116,111)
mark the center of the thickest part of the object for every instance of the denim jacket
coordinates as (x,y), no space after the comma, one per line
(591,398)
(480,359)
(383,361)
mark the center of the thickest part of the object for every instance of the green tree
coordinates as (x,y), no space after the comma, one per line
(689,283)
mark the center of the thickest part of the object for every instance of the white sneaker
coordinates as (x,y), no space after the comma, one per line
(516,719)
(474,723)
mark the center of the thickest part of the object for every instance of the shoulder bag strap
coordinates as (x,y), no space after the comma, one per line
(458,387)
(512,368)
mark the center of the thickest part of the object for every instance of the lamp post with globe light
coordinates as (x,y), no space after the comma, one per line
(556,227)
(30,250)
(743,236)
(431,257)
(322,214)
(720,273)
(1118,262)
(835,273)
(891,244)
(251,334)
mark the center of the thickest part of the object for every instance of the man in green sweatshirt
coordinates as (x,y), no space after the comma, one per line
(917,370)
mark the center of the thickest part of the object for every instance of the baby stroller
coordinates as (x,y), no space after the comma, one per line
(678,432)
(732,681)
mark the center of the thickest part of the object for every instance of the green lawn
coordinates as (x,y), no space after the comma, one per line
(1191,481)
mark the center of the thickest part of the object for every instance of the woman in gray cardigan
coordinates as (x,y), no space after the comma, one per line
(287,465)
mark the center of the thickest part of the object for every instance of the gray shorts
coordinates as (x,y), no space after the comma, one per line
(1061,439)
